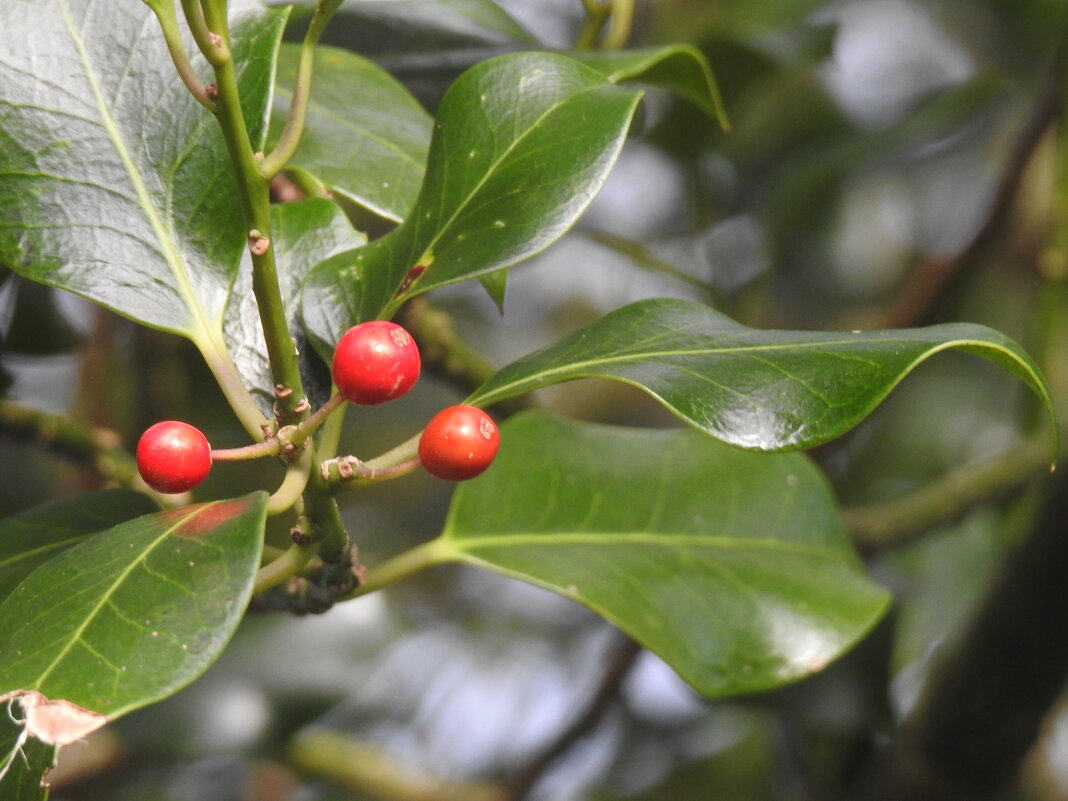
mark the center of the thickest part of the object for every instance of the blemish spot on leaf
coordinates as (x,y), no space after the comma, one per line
(58,722)
(206,519)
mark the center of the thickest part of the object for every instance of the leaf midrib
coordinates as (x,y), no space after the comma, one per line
(76,636)
(461,543)
(575,369)
(168,247)
(442,228)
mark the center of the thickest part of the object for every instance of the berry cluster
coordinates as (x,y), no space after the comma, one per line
(374,362)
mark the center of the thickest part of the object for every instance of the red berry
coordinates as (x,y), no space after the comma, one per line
(375,362)
(458,443)
(173,456)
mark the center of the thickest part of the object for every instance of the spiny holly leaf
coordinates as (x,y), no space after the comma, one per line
(30,538)
(114,183)
(682,69)
(732,566)
(766,390)
(305,233)
(365,139)
(521,145)
(134,613)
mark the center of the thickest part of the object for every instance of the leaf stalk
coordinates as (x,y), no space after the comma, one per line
(287,144)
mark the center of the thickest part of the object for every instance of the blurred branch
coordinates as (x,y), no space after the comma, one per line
(98,449)
(367,769)
(900,520)
(622,660)
(921,291)
(449,355)
(984,704)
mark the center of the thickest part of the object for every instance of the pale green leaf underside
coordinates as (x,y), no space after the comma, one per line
(134,613)
(732,566)
(114,182)
(765,390)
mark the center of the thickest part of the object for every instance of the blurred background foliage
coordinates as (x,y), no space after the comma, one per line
(889,163)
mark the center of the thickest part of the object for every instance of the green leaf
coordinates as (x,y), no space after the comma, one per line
(114,182)
(365,139)
(134,613)
(682,69)
(732,566)
(305,233)
(30,538)
(766,390)
(30,760)
(521,145)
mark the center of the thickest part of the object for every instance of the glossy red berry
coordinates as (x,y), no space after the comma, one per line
(173,456)
(458,443)
(375,362)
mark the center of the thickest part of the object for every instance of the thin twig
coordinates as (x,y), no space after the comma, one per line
(928,283)
(619,666)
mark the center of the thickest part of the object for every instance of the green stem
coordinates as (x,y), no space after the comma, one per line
(254,190)
(168,22)
(213,44)
(222,366)
(284,567)
(294,436)
(277,159)
(902,519)
(405,564)
(292,486)
(321,507)
(597,14)
(620,25)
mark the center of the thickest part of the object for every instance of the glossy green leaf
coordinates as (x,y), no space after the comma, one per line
(681,69)
(365,139)
(27,761)
(305,233)
(30,538)
(114,182)
(134,613)
(732,566)
(766,390)
(521,145)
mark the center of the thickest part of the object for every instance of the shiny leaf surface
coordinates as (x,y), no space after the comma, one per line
(134,613)
(766,390)
(114,182)
(732,566)
(521,145)
(33,537)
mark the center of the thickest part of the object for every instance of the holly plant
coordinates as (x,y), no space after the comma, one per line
(182,167)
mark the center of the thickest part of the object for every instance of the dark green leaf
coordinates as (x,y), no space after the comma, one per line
(767,390)
(33,537)
(305,232)
(30,760)
(115,182)
(521,145)
(732,566)
(682,69)
(136,612)
(366,138)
